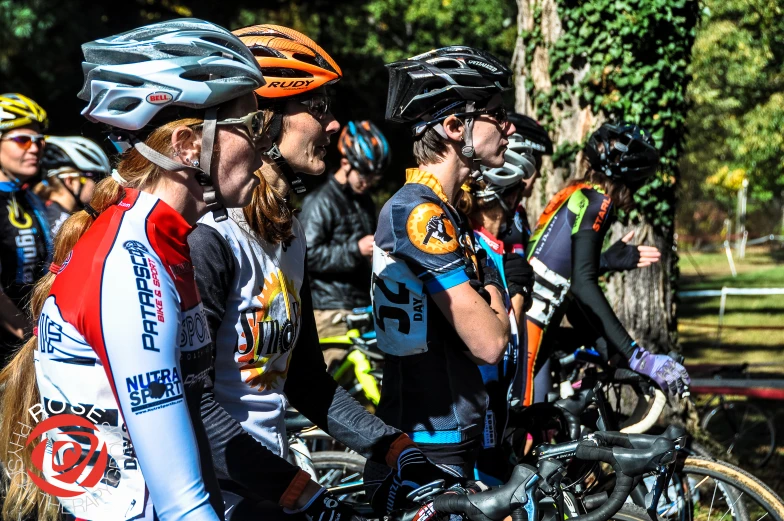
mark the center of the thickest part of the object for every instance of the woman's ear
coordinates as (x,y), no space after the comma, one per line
(186,145)
(453,128)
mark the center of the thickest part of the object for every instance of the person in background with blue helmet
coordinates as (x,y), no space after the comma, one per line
(339,220)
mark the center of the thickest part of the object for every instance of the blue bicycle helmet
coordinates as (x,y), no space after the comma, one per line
(365,147)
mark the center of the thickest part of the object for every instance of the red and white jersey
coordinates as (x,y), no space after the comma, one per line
(122,321)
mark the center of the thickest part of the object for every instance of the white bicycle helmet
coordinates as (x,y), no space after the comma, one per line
(76,152)
(129,78)
(519,165)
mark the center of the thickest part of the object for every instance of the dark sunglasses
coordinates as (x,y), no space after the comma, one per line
(499,114)
(318,106)
(253,123)
(25,141)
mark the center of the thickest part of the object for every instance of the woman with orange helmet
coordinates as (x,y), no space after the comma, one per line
(251,273)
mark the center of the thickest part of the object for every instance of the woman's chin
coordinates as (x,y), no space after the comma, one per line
(316,167)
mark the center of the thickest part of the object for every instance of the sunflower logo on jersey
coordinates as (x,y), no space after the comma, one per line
(268,334)
(430,230)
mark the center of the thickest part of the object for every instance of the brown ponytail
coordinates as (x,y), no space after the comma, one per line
(18,386)
(620,194)
(269,214)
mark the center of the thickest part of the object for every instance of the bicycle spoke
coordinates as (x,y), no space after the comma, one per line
(731,506)
(765,514)
(715,488)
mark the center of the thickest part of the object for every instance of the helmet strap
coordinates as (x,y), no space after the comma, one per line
(293,179)
(468,150)
(211,198)
(126,141)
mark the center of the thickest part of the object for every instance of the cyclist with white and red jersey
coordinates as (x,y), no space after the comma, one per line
(120,320)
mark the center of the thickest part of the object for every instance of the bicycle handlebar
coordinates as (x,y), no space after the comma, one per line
(632,456)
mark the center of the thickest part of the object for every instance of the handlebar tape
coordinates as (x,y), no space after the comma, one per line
(452,504)
(623,484)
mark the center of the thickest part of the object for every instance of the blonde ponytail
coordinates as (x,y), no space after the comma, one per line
(22,498)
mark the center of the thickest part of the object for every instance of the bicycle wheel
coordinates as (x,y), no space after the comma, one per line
(744,430)
(340,469)
(706,489)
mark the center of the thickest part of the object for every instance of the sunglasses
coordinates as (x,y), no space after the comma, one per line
(253,124)
(25,141)
(318,106)
(499,114)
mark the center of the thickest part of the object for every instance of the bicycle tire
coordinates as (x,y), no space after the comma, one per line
(743,482)
(336,468)
(716,422)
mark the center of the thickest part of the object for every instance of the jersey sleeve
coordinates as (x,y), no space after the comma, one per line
(589,232)
(425,237)
(139,331)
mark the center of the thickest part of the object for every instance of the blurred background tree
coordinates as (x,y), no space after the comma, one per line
(736,123)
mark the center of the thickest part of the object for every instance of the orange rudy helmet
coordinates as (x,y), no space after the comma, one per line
(291,63)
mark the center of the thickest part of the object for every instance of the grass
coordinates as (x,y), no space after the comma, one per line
(753,327)
(753,330)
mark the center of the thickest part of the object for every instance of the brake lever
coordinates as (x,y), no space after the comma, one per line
(552,472)
(422,494)
(660,486)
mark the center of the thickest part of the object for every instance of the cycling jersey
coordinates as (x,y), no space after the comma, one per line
(121,328)
(266,355)
(432,390)
(565,251)
(25,249)
(499,379)
(56,215)
(517,235)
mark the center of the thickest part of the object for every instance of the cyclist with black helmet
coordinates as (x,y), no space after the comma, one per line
(121,322)
(73,165)
(25,241)
(430,288)
(339,219)
(250,269)
(565,253)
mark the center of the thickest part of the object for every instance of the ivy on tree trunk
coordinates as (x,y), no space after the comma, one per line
(580,63)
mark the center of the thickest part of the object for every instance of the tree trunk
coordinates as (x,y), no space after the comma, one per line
(643,299)
(575,121)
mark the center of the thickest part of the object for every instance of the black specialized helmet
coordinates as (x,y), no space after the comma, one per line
(532,133)
(431,86)
(632,158)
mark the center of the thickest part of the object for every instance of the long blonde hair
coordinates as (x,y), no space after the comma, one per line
(17,380)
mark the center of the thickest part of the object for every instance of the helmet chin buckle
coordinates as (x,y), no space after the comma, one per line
(468,151)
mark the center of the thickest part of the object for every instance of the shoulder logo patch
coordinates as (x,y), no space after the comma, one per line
(430,230)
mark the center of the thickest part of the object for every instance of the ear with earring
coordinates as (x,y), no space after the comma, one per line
(193,163)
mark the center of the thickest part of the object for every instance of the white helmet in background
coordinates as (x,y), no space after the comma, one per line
(519,164)
(69,152)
